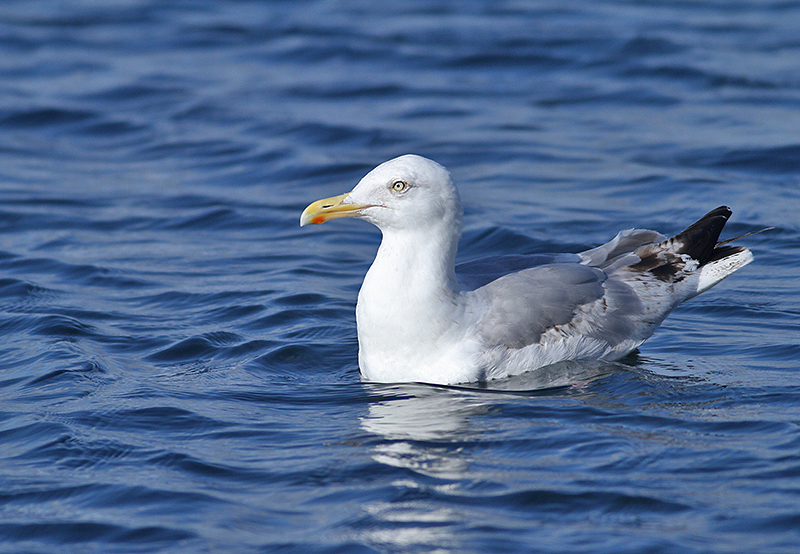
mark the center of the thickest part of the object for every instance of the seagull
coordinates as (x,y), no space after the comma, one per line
(421,319)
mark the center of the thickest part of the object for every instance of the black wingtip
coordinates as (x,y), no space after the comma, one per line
(700,238)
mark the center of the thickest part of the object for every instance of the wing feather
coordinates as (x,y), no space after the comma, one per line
(522,306)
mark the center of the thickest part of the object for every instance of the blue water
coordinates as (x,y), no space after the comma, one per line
(178,365)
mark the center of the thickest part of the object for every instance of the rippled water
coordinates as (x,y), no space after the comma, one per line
(178,366)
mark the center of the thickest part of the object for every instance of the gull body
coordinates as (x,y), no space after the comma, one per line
(420,320)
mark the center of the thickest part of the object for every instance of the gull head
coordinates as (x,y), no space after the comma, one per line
(409,192)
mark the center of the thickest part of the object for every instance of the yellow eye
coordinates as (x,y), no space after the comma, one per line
(399,186)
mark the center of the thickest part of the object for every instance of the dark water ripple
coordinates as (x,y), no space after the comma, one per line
(178,370)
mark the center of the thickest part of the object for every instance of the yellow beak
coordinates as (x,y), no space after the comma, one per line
(330,208)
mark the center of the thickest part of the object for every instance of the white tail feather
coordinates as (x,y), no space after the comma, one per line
(714,272)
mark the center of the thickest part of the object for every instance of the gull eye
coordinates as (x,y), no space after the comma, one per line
(399,186)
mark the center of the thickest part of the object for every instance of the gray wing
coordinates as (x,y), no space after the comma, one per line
(521,306)
(600,296)
(565,292)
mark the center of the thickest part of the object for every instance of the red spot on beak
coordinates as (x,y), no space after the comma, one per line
(318,219)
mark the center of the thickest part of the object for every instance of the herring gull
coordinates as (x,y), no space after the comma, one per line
(420,320)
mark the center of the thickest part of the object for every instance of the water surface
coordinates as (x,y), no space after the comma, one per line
(178,368)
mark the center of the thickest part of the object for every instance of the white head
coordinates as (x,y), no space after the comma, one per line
(406,193)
